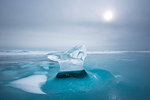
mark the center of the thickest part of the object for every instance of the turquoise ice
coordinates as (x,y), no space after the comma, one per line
(119,75)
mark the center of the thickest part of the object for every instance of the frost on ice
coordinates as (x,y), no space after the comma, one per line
(71,60)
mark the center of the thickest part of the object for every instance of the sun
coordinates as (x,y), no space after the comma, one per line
(108,15)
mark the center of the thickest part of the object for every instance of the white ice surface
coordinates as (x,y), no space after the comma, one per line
(30,84)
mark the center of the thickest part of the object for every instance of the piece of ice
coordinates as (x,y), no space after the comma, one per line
(71,60)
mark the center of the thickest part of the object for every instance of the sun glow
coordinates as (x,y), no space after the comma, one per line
(108,15)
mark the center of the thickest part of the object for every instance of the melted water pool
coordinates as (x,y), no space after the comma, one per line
(123,76)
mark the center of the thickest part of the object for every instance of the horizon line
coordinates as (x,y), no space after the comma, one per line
(42,52)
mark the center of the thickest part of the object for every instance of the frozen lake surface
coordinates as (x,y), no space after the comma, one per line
(111,76)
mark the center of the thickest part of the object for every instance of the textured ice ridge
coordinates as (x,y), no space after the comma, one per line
(71,60)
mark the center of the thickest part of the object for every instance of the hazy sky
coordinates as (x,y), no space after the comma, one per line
(59,24)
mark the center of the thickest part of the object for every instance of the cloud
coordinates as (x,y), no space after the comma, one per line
(64,23)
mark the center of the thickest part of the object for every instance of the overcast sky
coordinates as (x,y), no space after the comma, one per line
(59,24)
